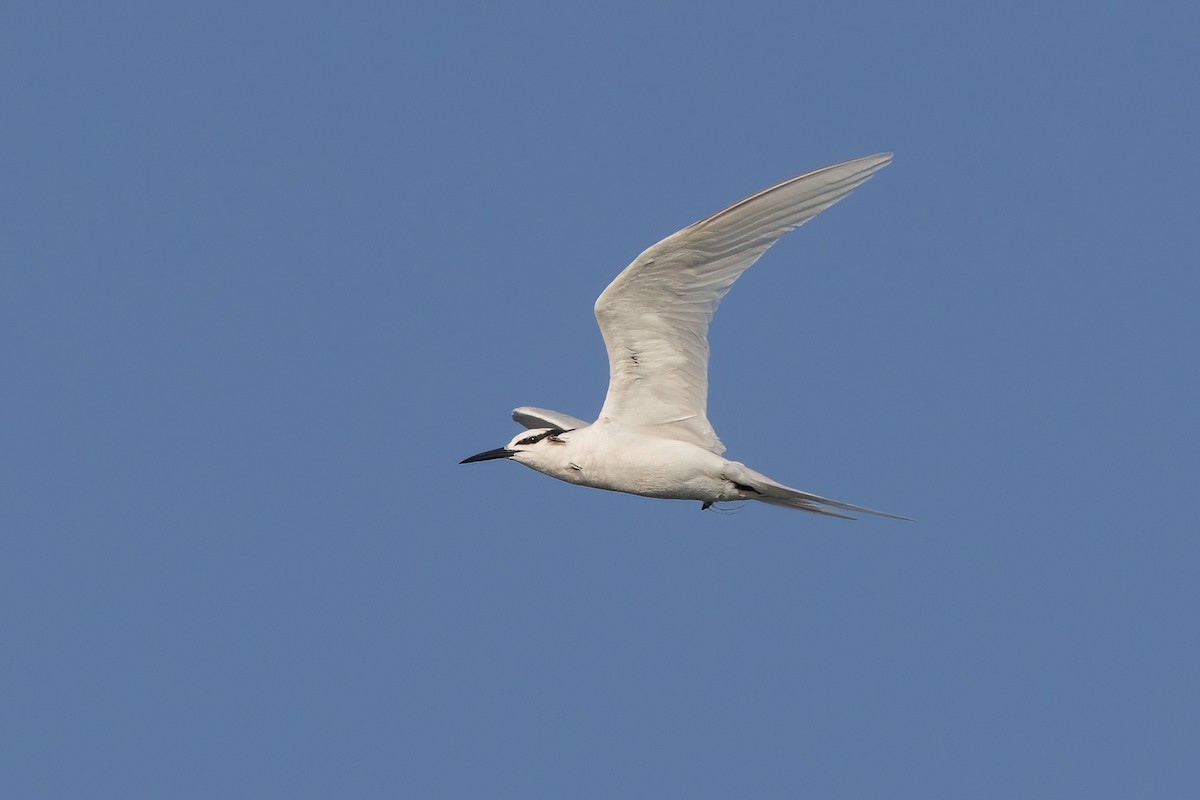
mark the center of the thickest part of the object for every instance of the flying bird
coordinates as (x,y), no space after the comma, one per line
(653,437)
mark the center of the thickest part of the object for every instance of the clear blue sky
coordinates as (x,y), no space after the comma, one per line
(271,269)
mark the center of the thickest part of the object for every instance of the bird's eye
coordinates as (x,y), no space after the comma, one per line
(537,437)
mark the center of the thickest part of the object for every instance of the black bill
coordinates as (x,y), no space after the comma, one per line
(499,452)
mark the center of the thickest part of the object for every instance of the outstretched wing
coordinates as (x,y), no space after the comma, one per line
(655,315)
(532,417)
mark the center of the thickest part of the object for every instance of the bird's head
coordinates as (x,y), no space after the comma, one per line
(538,448)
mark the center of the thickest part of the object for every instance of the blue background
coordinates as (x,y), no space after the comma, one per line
(271,269)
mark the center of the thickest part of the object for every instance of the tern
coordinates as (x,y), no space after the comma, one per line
(653,437)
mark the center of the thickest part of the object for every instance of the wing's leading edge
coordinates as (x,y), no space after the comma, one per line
(654,316)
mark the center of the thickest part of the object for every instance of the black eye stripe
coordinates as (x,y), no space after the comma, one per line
(537,437)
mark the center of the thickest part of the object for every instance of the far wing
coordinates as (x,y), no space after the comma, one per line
(655,315)
(532,417)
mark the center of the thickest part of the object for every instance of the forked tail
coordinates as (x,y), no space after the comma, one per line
(768,491)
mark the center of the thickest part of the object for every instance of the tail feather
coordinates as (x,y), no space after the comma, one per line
(776,494)
(800,503)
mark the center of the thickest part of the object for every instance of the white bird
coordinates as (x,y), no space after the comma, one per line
(653,437)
